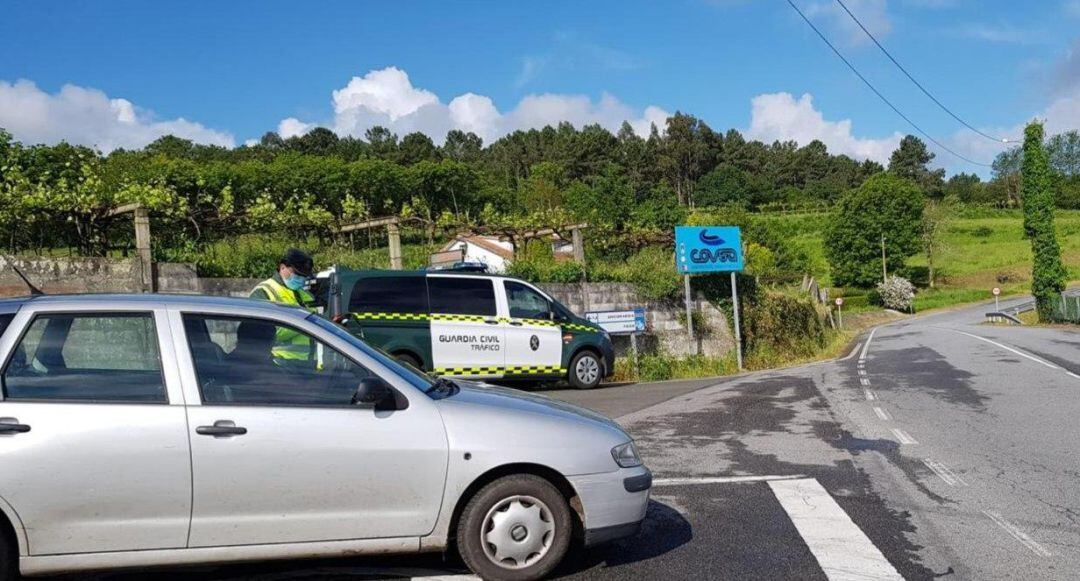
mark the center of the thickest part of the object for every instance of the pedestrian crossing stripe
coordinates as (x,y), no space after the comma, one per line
(367,316)
(502,370)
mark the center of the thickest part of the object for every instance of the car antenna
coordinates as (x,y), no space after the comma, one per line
(34,291)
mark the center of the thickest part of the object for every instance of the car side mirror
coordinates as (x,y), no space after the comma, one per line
(374,392)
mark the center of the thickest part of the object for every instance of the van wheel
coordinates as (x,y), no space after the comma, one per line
(585,370)
(516,528)
(9,558)
(408,360)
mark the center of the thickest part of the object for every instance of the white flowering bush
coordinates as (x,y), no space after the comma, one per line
(897,293)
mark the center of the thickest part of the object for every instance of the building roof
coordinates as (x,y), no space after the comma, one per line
(487,243)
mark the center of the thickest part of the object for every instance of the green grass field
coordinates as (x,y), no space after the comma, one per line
(981,250)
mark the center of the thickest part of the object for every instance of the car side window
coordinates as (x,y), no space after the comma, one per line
(5,320)
(87,357)
(461,295)
(390,294)
(526,303)
(249,361)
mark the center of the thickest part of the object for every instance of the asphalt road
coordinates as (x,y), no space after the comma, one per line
(943,448)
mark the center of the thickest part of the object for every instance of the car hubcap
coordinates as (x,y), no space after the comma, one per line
(518,531)
(587,369)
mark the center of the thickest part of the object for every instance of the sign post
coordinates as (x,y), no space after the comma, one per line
(705,249)
(689,310)
(996,291)
(840,312)
(629,322)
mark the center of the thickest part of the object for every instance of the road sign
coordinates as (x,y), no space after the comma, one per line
(619,322)
(701,249)
(996,291)
(839,301)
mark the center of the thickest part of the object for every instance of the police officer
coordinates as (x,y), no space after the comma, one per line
(287,287)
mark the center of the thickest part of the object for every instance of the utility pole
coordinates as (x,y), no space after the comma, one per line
(884,272)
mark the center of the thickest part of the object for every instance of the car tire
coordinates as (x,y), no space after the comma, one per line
(9,558)
(517,528)
(586,370)
(409,360)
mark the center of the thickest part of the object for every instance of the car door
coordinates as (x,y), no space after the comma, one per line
(93,438)
(466,336)
(279,453)
(533,340)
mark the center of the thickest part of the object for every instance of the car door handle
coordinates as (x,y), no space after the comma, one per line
(221,429)
(491,321)
(516,323)
(13,428)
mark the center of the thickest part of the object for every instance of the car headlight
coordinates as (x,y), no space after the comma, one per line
(626,455)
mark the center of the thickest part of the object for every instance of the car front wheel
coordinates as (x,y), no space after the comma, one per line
(516,528)
(9,558)
(586,370)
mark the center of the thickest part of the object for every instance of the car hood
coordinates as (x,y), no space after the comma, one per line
(486,395)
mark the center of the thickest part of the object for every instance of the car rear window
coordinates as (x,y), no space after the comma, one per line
(390,294)
(462,296)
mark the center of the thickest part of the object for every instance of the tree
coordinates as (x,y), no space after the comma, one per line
(724,185)
(416,147)
(911,161)
(1048,272)
(463,146)
(382,142)
(936,217)
(685,155)
(885,205)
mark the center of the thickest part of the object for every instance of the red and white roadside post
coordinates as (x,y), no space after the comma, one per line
(996,291)
(840,312)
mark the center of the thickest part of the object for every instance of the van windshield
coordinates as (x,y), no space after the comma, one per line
(418,379)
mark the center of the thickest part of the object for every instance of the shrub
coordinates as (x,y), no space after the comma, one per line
(783,324)
(896,293)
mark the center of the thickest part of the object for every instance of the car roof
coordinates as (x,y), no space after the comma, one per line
(380,272)
(150,300)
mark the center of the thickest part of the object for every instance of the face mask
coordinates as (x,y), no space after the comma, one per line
(295,282)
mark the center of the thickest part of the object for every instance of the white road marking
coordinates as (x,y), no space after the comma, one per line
(720,480)
(853,352)
(1007,348)
(864,381)
(1017,534)
(1073,374)
(862,371)
(842,550)
(943,472)
(870,395)
(867,344)
(882,414)
(903,437)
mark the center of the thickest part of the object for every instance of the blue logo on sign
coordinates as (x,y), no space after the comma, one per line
(701,249)
(710,239)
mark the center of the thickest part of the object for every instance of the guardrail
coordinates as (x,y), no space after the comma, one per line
(1012,312)
(1000,317)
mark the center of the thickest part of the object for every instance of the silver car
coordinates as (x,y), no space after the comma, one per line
(150,430)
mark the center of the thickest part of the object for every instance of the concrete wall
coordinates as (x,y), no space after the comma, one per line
(87,275)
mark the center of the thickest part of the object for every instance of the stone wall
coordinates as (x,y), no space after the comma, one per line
(664,332)
(70,275)
(665,320)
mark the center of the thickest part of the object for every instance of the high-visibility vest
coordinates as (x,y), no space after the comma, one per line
(289,346)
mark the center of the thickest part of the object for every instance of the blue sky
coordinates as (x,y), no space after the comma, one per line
(225,72)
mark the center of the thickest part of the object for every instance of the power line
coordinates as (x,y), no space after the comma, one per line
(878,93)
(917,83)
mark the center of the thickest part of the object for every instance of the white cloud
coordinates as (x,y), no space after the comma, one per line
(781,117)
(387,97)
(998,33)
(293,127)
(872,13)
(89,117)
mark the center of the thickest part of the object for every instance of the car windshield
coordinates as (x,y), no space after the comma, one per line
(418,379)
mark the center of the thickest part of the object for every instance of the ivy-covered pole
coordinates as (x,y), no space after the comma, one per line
(1037,197)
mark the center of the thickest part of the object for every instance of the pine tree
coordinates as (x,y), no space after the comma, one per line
(1037,196)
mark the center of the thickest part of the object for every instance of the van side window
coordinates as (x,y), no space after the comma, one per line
(525,303)
(390,294)
(100,357)
(462,296)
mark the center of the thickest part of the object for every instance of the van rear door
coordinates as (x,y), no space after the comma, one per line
(466,337)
